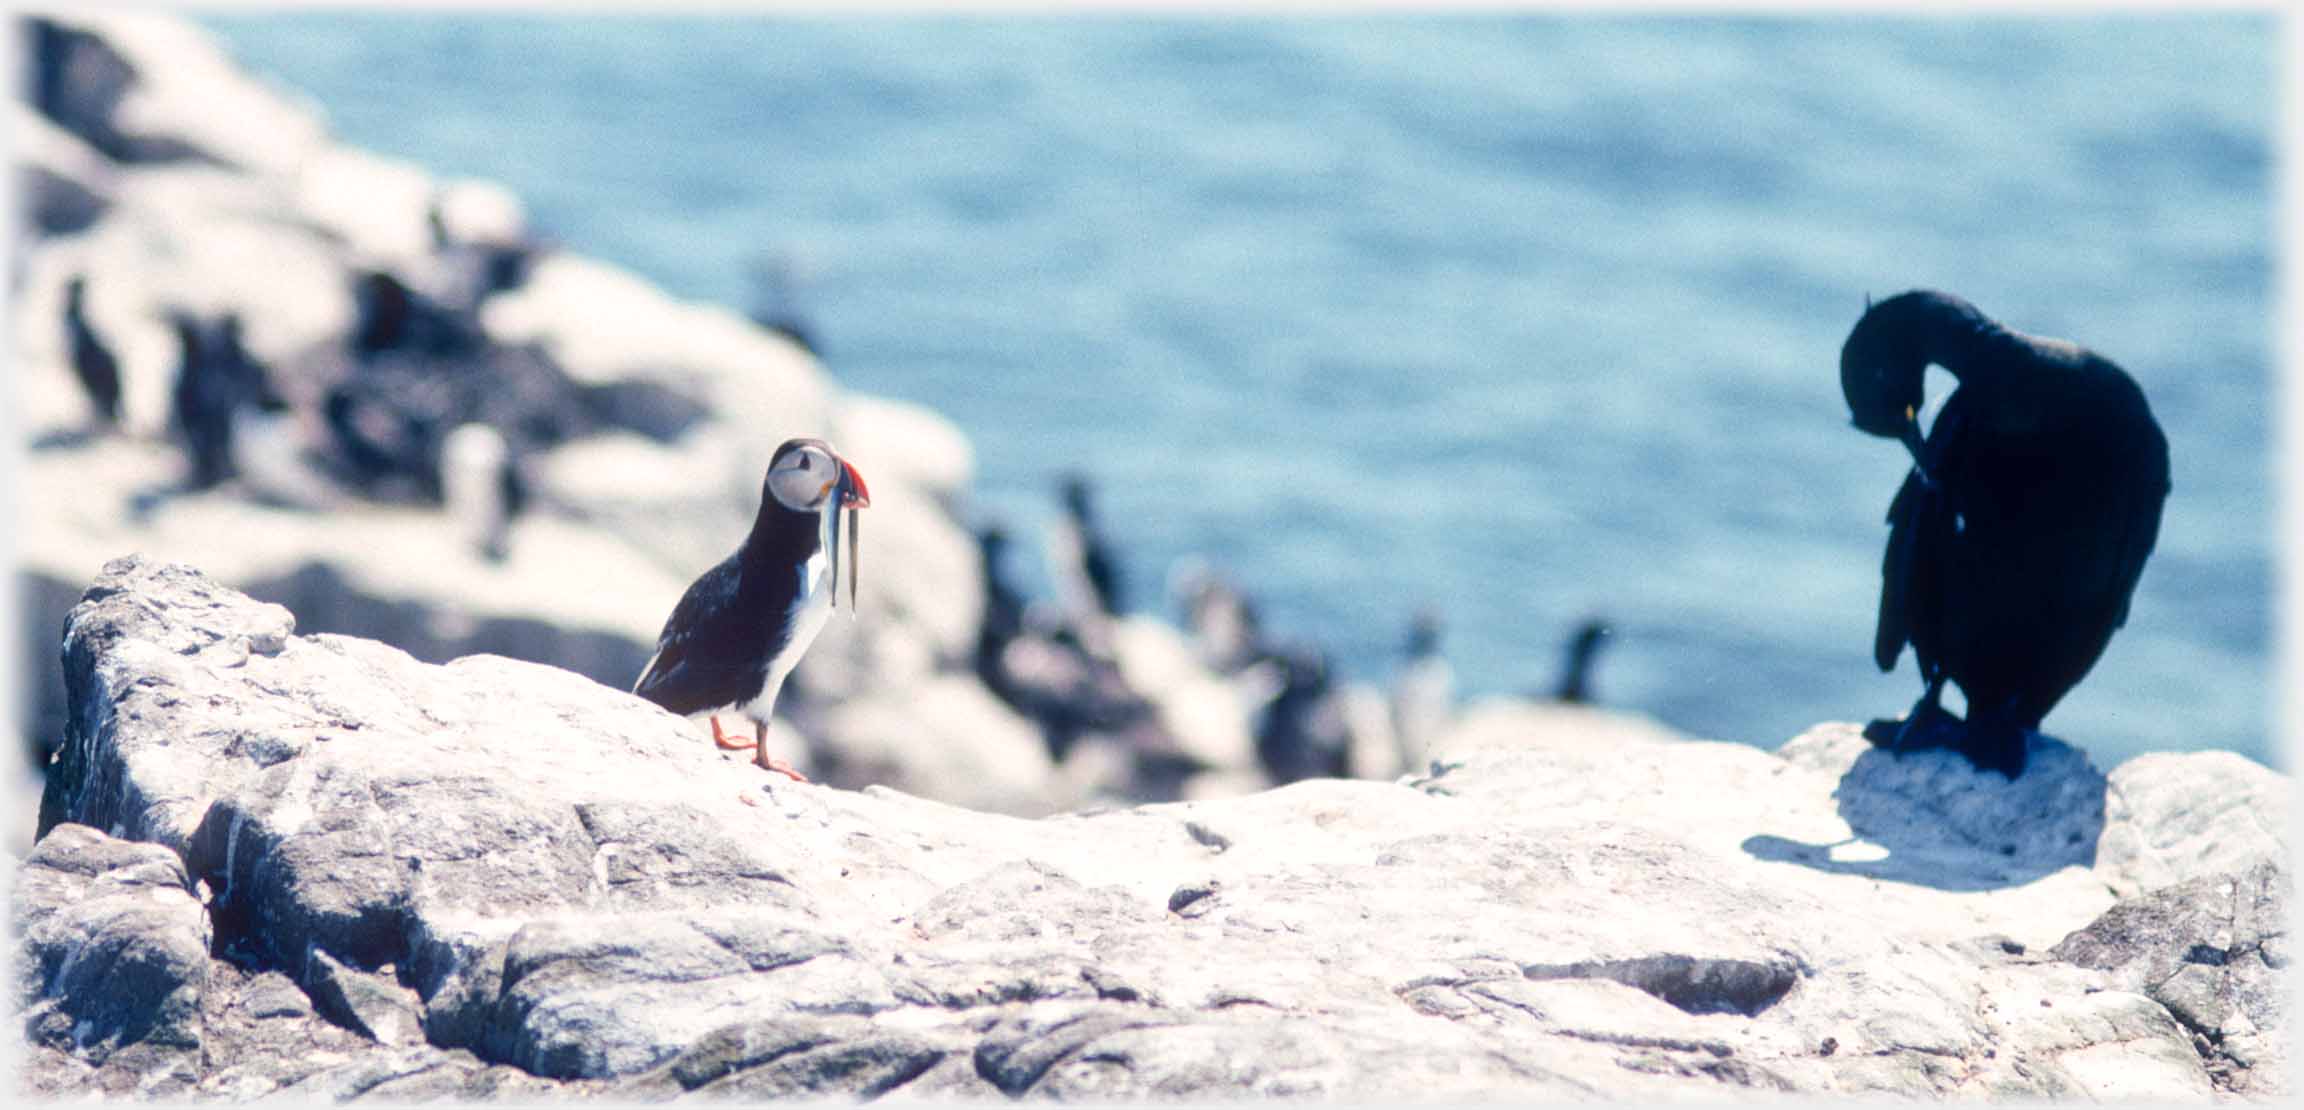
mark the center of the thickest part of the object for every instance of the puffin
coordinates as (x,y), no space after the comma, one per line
(98,369)
(1423,691)
(740,629)
(481,487)
(2018,536)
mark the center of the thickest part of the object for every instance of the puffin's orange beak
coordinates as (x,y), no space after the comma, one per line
(853,493)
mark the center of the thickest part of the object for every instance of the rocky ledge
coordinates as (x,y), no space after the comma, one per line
(314,866)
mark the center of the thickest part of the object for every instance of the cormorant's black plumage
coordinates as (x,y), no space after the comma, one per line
(2019,537)
(98,370)
(215,378)
(1576,669)
(1097,563)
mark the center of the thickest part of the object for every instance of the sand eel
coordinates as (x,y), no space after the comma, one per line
(92,361)
(2019,534)
(740,629)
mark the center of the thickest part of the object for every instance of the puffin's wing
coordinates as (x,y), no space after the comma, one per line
(668,671)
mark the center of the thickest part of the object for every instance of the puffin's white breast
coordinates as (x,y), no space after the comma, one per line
(802,622)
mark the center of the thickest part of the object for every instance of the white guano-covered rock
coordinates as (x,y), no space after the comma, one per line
(575,885)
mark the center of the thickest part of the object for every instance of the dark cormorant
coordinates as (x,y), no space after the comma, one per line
(215,378)
(410,370)
(390,316)
(2020,533)
(1003,614)
(1576,670)
(1303,733)
(1083,558)
(99,372)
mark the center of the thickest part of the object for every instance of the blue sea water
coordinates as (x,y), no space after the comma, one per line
(1528,316)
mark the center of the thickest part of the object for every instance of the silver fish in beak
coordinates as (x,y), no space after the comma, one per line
(850,495)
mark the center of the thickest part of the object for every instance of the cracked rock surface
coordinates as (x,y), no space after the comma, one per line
(496,879)
(2214,951)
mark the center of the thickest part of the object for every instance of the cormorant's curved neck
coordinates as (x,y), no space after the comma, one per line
(1946,330)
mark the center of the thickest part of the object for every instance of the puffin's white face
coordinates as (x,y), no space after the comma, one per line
(803,478)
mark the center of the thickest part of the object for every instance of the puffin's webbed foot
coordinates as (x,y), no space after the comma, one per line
(768,762)
(729,743)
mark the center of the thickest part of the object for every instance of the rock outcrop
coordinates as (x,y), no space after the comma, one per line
(494,878)
(172,182)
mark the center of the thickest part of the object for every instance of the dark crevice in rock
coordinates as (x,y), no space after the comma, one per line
(229,856)
(1192,894)
(1217,843)
(1698,986)
(1112,988)
(1632,1040)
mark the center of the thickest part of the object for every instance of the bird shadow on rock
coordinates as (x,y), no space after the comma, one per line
(1928,818)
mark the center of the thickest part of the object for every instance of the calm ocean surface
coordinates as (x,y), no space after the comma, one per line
(1526,317)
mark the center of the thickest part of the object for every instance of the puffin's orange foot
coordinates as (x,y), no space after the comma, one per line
(768,762)
(728,742)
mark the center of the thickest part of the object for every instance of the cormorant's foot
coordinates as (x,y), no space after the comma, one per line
(1929,726)
(771,763)
(1997,750)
